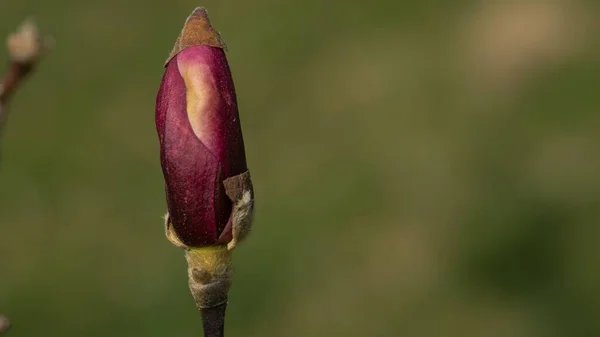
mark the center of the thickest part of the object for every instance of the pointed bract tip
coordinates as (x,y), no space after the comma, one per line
(197,31)
(198,11)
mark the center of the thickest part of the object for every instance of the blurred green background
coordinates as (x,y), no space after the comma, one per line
(422,168)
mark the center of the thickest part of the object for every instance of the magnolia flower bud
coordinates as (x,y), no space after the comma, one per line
(202,149)
(208,189)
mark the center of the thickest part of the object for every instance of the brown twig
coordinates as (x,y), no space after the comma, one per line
(213,320)
(26,46)
(4,324)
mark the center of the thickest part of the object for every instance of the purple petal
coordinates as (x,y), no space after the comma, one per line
(212,105)
(198,206)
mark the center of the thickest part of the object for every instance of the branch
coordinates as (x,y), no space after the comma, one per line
(26,47)
(213,320)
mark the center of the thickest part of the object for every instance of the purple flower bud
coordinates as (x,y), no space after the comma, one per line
(201,142)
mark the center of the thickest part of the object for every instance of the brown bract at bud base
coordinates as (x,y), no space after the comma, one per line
(239,189)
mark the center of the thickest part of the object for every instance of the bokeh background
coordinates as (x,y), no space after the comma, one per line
(422,168)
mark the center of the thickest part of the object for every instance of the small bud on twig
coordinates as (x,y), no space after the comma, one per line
(26,46)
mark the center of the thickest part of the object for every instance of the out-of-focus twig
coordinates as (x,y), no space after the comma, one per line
(26,46)
(4,324)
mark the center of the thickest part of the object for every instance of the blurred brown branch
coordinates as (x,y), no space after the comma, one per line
(26,47)
(4,324)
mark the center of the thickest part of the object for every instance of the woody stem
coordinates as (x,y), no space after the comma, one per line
(14,75)
(213,320)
